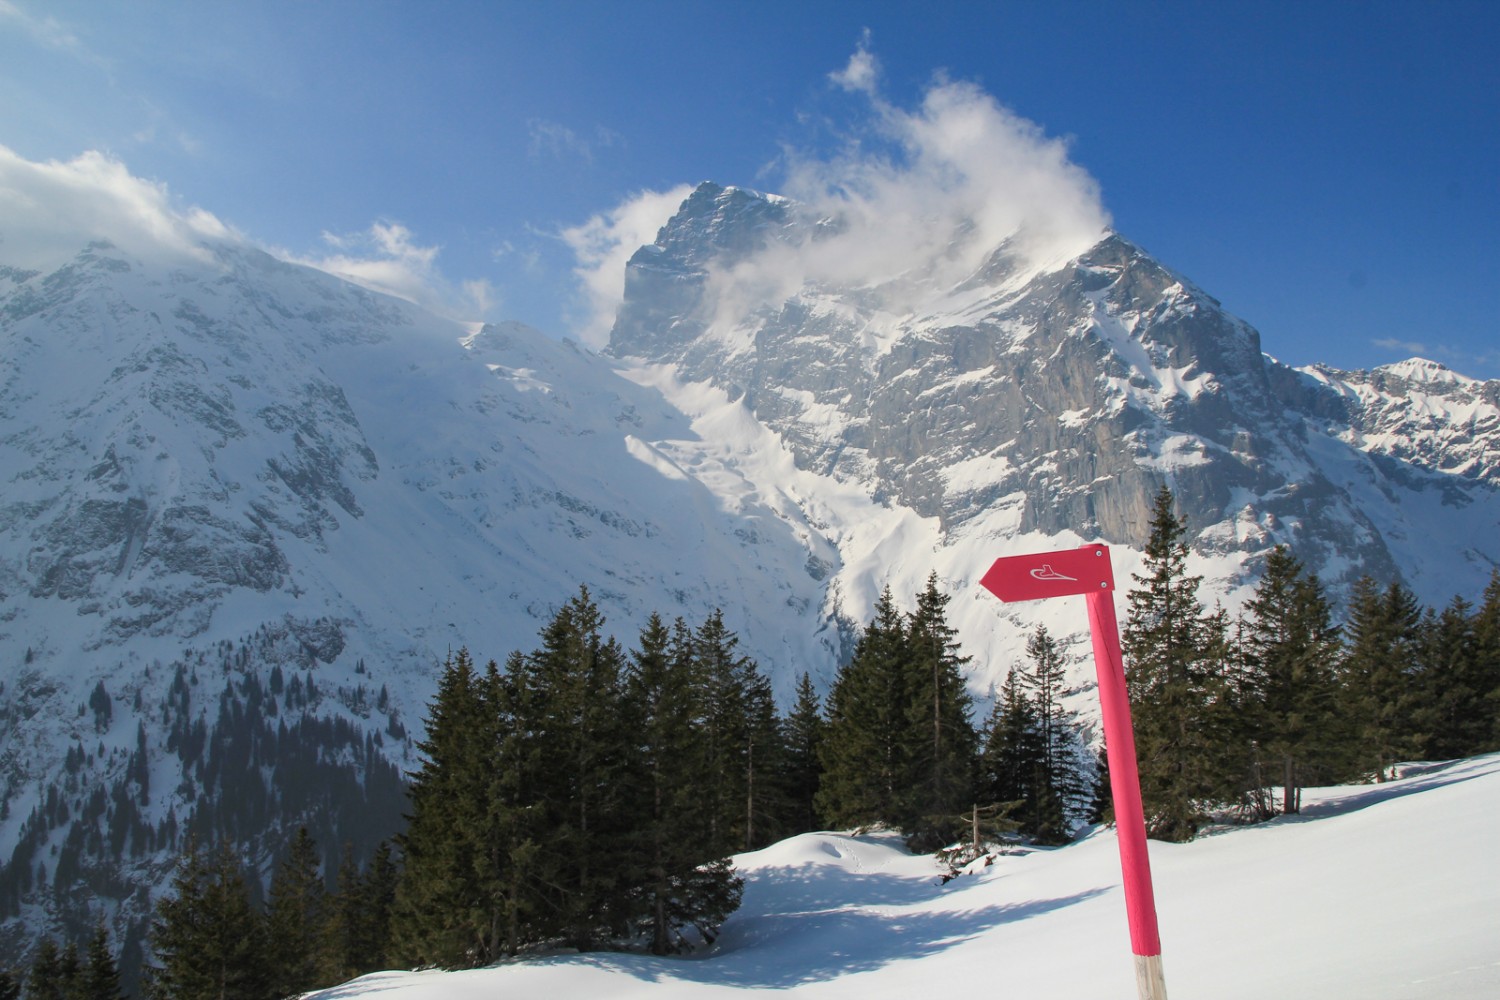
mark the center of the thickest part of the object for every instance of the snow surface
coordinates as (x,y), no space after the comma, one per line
(1381,892)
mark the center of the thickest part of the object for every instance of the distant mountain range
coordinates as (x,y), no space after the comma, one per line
(255,505)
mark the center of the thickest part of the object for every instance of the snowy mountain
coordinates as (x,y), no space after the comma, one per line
(1371,893)
(249,506)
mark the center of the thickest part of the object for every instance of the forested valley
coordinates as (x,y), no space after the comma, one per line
(587,796)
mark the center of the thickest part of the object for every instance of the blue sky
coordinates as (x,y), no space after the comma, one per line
(1330,172)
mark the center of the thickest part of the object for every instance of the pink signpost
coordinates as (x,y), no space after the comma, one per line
(1087,571)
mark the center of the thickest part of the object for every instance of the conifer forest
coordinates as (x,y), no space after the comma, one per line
(591,796)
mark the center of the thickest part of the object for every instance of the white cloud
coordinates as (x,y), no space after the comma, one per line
(561,142)
(48,32)
(386,258)
(921,199)
(50,211)
(602,245)
(862,73)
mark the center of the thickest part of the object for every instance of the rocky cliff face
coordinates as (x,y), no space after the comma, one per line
(1065,396)
(249,507)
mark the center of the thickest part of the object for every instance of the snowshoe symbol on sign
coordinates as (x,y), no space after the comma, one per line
(1046,572)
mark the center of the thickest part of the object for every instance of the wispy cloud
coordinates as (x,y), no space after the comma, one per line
(48,32)
(602,245)
(386,257)
(563,143)
(915,200)
(862,72)
(49,211)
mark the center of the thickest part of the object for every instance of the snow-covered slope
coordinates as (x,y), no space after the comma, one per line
(1382,892)
(1039,403)
(248,506)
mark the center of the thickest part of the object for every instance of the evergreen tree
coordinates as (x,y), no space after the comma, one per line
(671,828)
(805,729)
(940,744)
(579,756)
(1457,682)
(297,920)
(1060,784)
(1011,761)
(446,897)
(1102,802)
(1174,658)
(207,936)
(99,978)
(48,979)
(1377,677)
(70,970)
(863,750)
(1290,649)
(1487,655)
(10,985)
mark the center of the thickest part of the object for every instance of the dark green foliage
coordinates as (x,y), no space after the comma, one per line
(673,822)
(1377,677)
(1010,762)
(297,920)
(805,729)
(940,744)
(99,978)
(1030,760)
(575,798)
(48,979)
(1288,692)
(863,752)
(359,916)
(1458,680)
(450,876)
(1174,657)
(10,986)
(207,938)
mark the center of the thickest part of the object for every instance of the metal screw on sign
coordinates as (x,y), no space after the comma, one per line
(1087,571)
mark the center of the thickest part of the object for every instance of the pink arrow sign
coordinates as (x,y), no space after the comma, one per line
(1087,571)
(1033,577)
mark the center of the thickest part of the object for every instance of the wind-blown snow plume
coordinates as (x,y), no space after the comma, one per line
(919,199)
(387,258)
(49,211)
(604,243)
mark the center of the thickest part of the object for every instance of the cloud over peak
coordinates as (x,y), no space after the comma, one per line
(50,211)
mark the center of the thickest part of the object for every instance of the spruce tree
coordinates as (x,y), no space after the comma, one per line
(1174,659)
(1487,656)
(579,756)
(47,979)
(297,920)
(940,744)
(863,750)
(1290,649)
(805,728)
(1459,709)
(670,830)
(10,985)
(1061,785)
(446,897)
(1011,761)
(1377,676)
(207,937)
(99,978)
